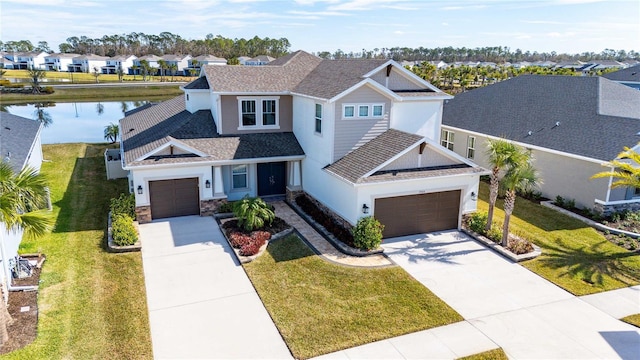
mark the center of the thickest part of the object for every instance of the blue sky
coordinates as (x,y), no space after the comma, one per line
(571,26)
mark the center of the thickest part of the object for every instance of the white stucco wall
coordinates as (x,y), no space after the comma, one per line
(334,193)
(418,117)
(35,157)
(197,100)
(11,240)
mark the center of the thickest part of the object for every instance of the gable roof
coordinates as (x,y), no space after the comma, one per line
(586,116)
(17,138)
(209,58)
(144,132)
(630,74)
(198,84)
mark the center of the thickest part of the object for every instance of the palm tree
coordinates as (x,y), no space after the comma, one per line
(501,155)
(521,176)
(172,69)
(162,64)
(253,213)
(626,173)
(22,196)
(135,68)
(35,77)
(111,132)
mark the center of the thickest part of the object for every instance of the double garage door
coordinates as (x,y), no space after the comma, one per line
(176,197)
(416,214)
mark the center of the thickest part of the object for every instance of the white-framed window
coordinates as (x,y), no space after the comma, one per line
(362,111)
(258,113)
(318,123)
(446,139)
(239,177)
(349,111)
(471,147)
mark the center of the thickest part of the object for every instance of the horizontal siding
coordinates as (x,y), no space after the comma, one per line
(413,159)
(350,134)
(397,80)
(231,119)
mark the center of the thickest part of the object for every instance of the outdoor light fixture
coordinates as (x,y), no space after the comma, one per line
(474,196)
(365,209)
(207,184)
(139,189)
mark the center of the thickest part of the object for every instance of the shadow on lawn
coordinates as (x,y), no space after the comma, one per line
(590,264)
(85,203)
(289,248)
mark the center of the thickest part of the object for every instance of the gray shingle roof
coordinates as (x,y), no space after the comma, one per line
(200,84)
(17,136)
(149,129)
(597,117)
(631,74)
(421,173)
(371,155)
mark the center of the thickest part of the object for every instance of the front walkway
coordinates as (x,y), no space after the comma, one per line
(323,246)
(526,315)
(201,302)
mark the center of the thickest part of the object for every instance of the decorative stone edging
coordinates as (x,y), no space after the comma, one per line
(263,248)
(112,247)
(589,222)
(332,239)
(502,251)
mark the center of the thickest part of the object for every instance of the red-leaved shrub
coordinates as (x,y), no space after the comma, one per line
(238,239)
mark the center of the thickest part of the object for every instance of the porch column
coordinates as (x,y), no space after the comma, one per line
(294,175)
(218,188)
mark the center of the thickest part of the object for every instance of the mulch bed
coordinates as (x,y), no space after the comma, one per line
(24,328)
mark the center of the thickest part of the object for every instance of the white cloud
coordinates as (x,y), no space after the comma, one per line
(359,5)
(398,32)
(445,24)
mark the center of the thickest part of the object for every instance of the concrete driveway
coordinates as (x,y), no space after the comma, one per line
(201,303)
(528,316)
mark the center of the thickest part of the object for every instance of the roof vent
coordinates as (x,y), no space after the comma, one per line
(529,133)
(557,123)
(130,130)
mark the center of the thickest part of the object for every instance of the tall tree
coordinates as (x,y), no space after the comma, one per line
(626,173)
(501,155)
(521,176)
(35,77)
(111,132)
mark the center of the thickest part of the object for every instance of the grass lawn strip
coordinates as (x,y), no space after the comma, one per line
(124,92)
(495,354)
(320,307)
(92,304)
(574,256)
(632,319)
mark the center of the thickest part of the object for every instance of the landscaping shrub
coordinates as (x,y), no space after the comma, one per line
(559,201)
(477,222)
(330,224)
(125,204)
(367,234)
(519,246)
(225,208)
(251,248)
(253,213)
(495,233)
(239,239)
(48,90)
(123,232)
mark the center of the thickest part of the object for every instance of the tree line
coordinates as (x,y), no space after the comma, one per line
(141,44)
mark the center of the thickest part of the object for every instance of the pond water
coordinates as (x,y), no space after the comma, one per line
(67,122)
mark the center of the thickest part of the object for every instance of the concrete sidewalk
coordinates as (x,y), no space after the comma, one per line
(526,315)
(201,302)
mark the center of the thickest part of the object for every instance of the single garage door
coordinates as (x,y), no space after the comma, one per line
(177,197)
(416,214)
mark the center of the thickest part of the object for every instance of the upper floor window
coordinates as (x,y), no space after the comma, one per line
(447,139)
(258,113)
(319,118)
(364,111)
(471,147)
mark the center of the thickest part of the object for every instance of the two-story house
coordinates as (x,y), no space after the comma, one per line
(124,62)
(151,59)
(88,63)
(59,62)
(181,63)
(28,60)
(359,136)
(258,60)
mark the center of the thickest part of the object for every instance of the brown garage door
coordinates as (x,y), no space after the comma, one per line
(415,214)
(177,197)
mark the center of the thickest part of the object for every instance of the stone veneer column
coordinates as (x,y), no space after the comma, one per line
(143,214)
(208,207)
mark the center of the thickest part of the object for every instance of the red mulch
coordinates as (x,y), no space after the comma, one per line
(24,328)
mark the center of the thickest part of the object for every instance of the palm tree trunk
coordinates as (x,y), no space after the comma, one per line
(509,204)
(493,196)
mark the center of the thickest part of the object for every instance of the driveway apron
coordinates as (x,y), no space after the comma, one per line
(201,303)
(528,316)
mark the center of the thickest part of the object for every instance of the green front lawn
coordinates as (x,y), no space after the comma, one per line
(495,354)
(632,319)
(574,256)
(320,307)
(92,304)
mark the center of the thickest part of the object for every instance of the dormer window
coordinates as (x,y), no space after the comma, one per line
(258,113)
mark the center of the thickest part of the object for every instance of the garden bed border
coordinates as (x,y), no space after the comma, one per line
(248,259)
(588,221)
(501,250)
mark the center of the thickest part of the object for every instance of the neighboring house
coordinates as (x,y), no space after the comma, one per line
(151,59)
(59,62)
(87,63)
(629,76)
(571,124)
(122,61)
(21,147)
(359,136)
(180,61)
(26,60)
(258,60)
(243,59)
(198,62)
(6,61)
